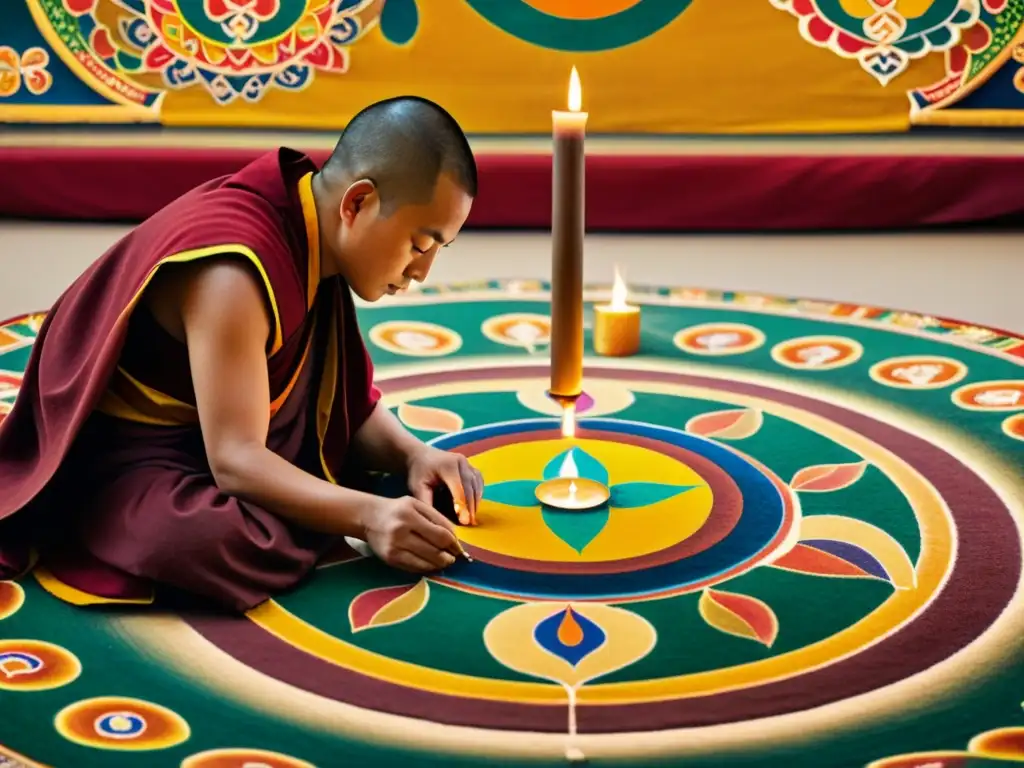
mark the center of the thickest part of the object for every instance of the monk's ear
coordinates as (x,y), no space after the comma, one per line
(359,196)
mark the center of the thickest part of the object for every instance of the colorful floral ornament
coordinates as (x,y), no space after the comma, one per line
(28,70)
(236,49)
(883,35)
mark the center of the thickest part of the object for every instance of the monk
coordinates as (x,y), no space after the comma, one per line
(199,410)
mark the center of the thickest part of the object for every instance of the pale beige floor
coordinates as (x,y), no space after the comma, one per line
(973,277)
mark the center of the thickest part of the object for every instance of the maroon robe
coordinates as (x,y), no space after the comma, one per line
(106,487)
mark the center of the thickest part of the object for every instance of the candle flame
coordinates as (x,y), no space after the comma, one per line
(572,488)
(569,420)
(619,291)
(575,92)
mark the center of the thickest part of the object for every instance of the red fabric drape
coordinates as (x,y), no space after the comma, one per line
(649,192)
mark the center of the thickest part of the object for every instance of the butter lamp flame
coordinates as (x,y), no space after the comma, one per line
(617,323)
(569,491)
(619,291)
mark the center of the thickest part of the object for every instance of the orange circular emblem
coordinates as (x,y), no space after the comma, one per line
(817,353)
(415,339)
(32,665)
(1014,426)
(991,396)
(918,372)
(718,339)
(12,596)
(519,329)
(114,722)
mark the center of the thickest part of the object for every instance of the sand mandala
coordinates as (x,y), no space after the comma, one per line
(808,554)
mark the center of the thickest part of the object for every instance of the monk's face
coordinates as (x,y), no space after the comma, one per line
(381,254)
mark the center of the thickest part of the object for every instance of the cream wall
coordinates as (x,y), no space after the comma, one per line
(971,277)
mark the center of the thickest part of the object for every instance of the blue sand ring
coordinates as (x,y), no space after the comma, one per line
(761,521)
(29,664)
(120,725)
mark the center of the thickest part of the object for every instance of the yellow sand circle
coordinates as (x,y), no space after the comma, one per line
(522,532)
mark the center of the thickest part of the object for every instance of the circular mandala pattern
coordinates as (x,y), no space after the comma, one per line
(415,339)
(991,396)
(817,353)
(918,372)
(12,597)
(719,339)
(790,559)
(520,329)
(690,535)
(113,722)
(243,758)
(32,665)
(577,25)
(749,519)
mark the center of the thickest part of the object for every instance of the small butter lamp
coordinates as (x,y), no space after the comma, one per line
(569,491)
(572,493)
(617,324)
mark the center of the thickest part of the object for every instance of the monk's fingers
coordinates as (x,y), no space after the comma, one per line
(478,485)
(472,483)
(451,476)
(422,492)
(410,561)
(435,528)
(427,551)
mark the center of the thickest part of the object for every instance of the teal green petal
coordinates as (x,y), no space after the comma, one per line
(515,493)
(127,62)
(399,20)
(577,529)
(629,495)
(586,466)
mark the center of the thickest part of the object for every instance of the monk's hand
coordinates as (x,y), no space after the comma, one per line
(409,534)
(432,467)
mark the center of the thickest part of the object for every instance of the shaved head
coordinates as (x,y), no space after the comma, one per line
(403,145)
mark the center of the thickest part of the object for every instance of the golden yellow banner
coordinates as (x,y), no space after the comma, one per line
(501,66)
